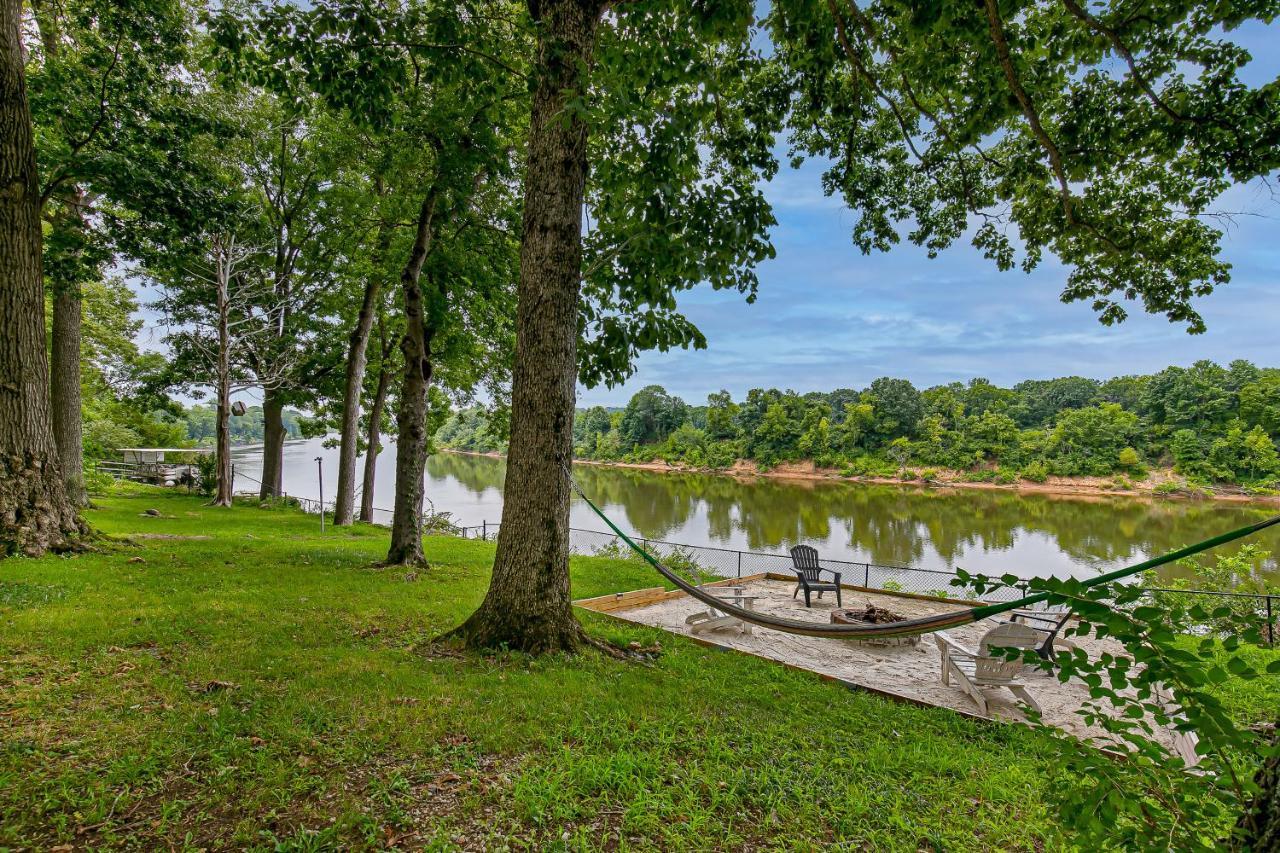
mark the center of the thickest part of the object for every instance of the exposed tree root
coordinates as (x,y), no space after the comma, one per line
(413,564)
(465,637)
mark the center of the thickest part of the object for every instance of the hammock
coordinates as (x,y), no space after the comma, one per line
(922,625)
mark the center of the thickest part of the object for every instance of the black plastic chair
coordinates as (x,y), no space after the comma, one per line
(809,575)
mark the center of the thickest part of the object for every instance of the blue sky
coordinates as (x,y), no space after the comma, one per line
(830,317)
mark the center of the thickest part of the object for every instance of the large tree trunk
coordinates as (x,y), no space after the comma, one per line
(64,393)
(64,368)
(411,415)
(273,436)
(374,445)
(351,393)
(528,606)
(35,514)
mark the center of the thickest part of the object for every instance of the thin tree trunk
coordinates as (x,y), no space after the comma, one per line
(351,393)
(35,514)
(528,606)
(273,436)
(64,393)
(223,495)
(411,415)
(374,445)
(225,485)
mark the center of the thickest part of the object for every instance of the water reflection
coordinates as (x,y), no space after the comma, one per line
(990,531)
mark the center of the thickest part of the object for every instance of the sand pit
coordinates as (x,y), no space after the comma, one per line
(912,672)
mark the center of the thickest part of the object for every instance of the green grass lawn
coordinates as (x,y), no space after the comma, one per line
(342,725)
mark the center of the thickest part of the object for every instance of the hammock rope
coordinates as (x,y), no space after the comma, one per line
(921,625)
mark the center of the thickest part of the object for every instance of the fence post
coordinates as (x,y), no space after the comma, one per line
(1271,624)
(484,529)
(644,545)
(739,565)
(866,575)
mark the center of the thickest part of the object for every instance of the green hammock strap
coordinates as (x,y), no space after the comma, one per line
(922,625)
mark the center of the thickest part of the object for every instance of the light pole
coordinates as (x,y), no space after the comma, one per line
(320,474)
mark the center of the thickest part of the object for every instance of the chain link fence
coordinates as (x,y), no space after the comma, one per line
(733,563)
(708,561)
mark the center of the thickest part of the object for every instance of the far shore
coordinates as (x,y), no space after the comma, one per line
(1086,487)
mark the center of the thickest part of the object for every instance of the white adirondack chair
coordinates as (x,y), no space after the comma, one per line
(980,670)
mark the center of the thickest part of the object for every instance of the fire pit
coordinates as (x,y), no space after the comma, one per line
(872,615)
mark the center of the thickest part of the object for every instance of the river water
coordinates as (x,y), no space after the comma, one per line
(993,532)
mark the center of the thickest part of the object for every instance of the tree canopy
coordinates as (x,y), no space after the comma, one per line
(1103,134)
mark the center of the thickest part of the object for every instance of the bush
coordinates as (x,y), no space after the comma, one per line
(1181,488)
(98,483)
(1004,476)
(722,454)
(206,473)
(1035,472)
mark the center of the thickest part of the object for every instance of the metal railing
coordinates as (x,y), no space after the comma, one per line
(734,563)
(312,506)
(144,472)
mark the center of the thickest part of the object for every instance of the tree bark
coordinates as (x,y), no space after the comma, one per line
(374,445)
(35,514)
(222,431)
(1259,827)
(351,393)
(273,436)
(411,415)
(528,606)
(64,393)
(64,368)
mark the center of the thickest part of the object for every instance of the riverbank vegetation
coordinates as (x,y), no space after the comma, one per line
(1207,425)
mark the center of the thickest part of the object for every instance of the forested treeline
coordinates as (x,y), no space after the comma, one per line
(1207,422)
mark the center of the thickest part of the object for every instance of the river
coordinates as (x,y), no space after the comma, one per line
(994,532)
